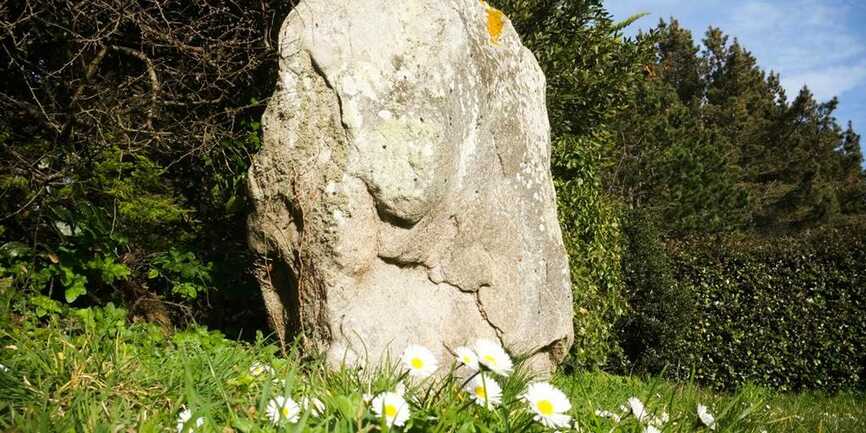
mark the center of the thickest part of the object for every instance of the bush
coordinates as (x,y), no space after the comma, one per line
(787,312)
(125,136)
(659,313)
(591,72)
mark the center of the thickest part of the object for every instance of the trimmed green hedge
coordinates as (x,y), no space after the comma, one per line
(787,312)
(653,329)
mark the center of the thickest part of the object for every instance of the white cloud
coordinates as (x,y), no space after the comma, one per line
(809,42)
(794,36)
(828,82)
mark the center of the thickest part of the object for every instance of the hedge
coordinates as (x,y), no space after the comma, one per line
(787,312)
(659,310)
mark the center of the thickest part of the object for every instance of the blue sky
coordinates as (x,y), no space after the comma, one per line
(820,43)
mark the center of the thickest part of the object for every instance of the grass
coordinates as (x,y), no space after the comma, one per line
(91,371)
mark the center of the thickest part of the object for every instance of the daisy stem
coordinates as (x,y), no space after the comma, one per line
(463,385)
(484,386)
(445,383)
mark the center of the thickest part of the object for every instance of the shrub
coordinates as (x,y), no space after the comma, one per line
(787,312)
(659,310)
(591,72)
(125,135)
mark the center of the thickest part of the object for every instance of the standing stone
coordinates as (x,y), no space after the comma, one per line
(403,193)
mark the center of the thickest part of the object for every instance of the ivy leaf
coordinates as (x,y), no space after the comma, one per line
(76,284)
(44,305)
(109,269)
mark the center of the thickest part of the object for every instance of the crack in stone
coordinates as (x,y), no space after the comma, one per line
(483,313)
(318,70)
(481,310)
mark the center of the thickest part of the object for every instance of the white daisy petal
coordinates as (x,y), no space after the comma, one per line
(706,417)
(637,408)
(283,409)
(660,420)
(183,424)
(257,369)
(400,389)
(491,355)
(392,407)
(651,429)
(549,404)
(607,414)
(467,357)
(554,421)
(313,405)
(484,391)
(419,360)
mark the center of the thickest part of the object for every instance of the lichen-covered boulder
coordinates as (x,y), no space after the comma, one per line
(403,192)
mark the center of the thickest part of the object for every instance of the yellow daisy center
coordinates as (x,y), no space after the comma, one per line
(480,392)
(467,360)
(417,362)
(284,411)
(490,359)
(545,407)
(390,411)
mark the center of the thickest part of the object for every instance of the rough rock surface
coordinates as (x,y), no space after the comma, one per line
(403,193)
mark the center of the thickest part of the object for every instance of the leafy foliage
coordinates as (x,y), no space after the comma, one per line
(591,72)
(125,135)
(660,312)
(784,312)
(714,144)
(731,172)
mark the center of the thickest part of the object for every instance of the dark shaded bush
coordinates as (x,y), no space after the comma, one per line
(659,310)
(787,312)
(125,135)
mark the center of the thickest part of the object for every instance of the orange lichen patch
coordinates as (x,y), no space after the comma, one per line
(495,22)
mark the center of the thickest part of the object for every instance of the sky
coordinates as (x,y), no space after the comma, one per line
(820,43)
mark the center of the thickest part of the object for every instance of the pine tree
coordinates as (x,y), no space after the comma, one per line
(668,160)
(714,143)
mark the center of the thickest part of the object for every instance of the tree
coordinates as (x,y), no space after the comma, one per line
(667,159)
(126,129)
(714,144)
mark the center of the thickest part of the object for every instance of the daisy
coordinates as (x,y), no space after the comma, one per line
(659,421)
(283,409)
(484,391)
(651,429)
(549,404)
(400,388)
(392,407)
(257,369)
(637,408)
(493,356)
(607,414)
(467,357)
(419,360)
(183,419)
(706,417)
(313,405)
